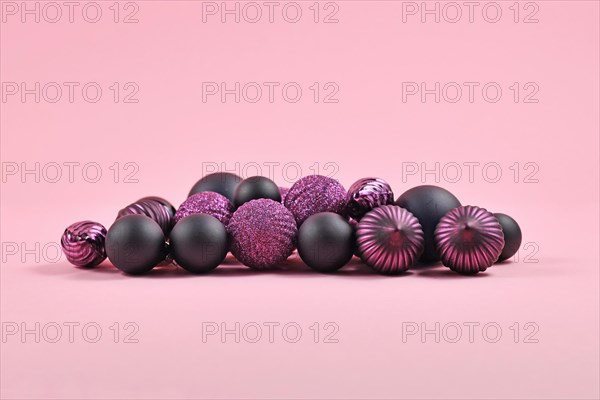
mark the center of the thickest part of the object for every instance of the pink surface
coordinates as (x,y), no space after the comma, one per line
(170,137)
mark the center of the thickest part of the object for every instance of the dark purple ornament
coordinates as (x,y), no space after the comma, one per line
(512,236)
(156,208)
(256,187)
(263,233)
(223,183)
(390,239)
(326,242)
(167,204)
(211,203)
(135,244)
(83,243)
(366,194)
(199,243)
(469,239)
(428,203)
(314,194)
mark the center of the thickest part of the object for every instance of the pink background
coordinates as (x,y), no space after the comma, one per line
(170,132)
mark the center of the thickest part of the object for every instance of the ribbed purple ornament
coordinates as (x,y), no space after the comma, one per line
(156,208)
(366,194)
(83,243)
(314,194)
(469,239)
(263,233)
(211,203)
(389,239)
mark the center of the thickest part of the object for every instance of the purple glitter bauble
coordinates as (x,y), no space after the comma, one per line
(469,239)
(83,243)
(390,239)
(156,208)
(211,203)
(366,194)
(314,194)
(263,233)
(284,191)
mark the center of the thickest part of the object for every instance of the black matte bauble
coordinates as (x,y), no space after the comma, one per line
(512,236)
(135,244)
(199,243)
(326,242)
(429,204)
(256,187)
(223,183)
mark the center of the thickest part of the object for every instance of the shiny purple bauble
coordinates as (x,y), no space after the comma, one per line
(314,194)
(366,194)
(390,239)
(83,243)
(469,239)
(223,183)
(428,203)
(167,204)
(155,208)
(262,233)
(211,203)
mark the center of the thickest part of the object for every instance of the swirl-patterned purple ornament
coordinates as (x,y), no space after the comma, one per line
(167,204)
(156,208)
(263,233)
(469,239)
(83,243)
(389,239)
(314,194)
(211,203)
(366,194)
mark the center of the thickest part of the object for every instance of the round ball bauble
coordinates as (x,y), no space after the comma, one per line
(220,182)
(211,203)
(135,244)
(512,236)
(366,194)
(314,194)
(262,233)
(198,243)
(429,204)
(256,187)
(326,242)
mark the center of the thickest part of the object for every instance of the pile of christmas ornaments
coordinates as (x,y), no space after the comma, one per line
(262,224)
